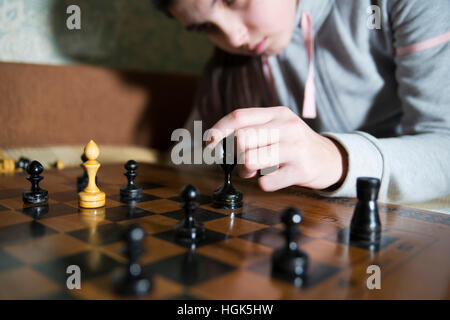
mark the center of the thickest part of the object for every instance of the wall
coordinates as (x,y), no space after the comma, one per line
(127,34)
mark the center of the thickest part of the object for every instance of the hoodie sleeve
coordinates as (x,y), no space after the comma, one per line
(414,167)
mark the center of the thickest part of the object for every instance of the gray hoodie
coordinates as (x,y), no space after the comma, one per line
(384,94)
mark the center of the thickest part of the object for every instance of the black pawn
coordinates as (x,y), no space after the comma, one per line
(289,262)
(131,193)
(22,163)
(82,181)
(134,282)
(35,195)
(188,230)
(227,196)
(365,224)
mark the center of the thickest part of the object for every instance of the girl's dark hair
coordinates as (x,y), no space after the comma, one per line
(229,82)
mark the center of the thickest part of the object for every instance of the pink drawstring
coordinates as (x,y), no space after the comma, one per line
(424,45)
(309,102)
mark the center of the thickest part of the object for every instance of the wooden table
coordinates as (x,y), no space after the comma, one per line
(38,244)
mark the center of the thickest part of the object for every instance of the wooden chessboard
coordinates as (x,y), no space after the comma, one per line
(38,244)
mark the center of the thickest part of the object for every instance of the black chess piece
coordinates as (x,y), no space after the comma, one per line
(35,195)
(227,196)
(82,181)
(131,193)
(188,230)
(22,163)
(134,282)
(365,225)
(289,262)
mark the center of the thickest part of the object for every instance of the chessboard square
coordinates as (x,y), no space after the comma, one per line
(100,235)
(2,208)
(92,263)
(162,192)
(154,249)
(148,185)
(244,285)
(54,210)
(201,199)
(210,238)
(223,211)
(159,206)
(200,215)
(261,215)
(189,269)
(108,204)
(69,223)
(272,237)
(11,193)
(125,213)
(317,272)
(10,217)
(24,231)
(65,196)
(153,224)
(343,237)
(236,252)
(53,246)
(233,226)
(184,296)
(25,283)
(144,197)
(8,261)
(103,288)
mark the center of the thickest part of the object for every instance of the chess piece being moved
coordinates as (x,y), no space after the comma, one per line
(189,230)
(365,225)
(227,196)
(91,196)
(289,262)
(134,282)
(131,193)
(35,195)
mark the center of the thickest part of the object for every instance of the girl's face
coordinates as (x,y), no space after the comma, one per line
(245,27)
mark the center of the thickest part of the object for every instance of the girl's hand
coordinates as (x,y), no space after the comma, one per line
(305,158)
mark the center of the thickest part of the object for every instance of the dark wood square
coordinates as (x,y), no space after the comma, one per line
(145,197)
(125,213)
(8,261)
(102,235)
(24,231)
(65,196)
(343,236)
(201,199)
(189,268)
(200,215)
(273,238)
(210,237)
(316,273)
(54,210)
(261,215)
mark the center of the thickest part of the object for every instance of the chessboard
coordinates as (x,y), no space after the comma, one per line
(37,245)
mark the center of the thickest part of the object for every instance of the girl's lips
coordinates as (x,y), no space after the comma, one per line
(259,48)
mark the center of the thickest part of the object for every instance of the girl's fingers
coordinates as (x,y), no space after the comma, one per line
(282,178)
(242,118)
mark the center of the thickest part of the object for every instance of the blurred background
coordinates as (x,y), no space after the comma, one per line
(126,79)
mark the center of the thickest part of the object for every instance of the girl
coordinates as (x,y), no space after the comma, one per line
(356,88)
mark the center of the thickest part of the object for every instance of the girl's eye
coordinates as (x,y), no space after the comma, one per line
(229,2)
(205,28)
